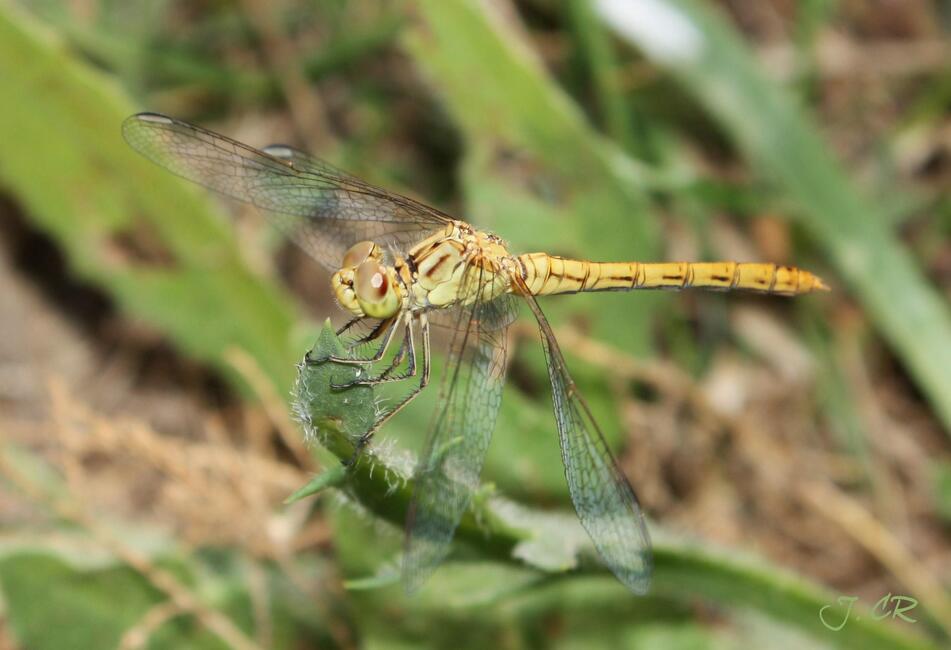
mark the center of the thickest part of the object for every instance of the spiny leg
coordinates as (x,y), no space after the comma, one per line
(423,382)
(369,336)
(391,324)
(310,361)
(406,349)
(397,360)
(383,376)
(349,325)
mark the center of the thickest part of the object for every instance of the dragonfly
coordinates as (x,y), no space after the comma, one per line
(400,266)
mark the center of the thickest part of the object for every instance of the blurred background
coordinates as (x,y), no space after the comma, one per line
(791,454)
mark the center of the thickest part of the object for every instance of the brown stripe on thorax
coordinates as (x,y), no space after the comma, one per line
(435,267)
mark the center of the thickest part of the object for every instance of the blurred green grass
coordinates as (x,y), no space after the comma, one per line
(535,170)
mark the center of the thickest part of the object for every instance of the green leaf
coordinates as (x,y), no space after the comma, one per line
(736,579)
(460,585)
(680,637)
(52,605)
(388,575)
(334,418)
(326,479)
(700,48)
(150,240)
(53,602)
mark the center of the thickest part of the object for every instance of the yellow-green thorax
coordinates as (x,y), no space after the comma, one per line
(457,266)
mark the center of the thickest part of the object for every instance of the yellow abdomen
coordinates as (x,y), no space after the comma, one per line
(545,274)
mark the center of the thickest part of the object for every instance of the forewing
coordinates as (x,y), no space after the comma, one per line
(603,499)
(452,458)
(324,210)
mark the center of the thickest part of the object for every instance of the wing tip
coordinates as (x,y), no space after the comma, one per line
(414,576)
(640,587)
(639,579)
(411,586)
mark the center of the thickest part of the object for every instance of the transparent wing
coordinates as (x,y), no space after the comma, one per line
(489,320)
(451,461)
(324,210)
(603,499)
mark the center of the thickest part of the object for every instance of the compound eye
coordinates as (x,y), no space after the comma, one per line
(375,292)
(359,253)
(370,281)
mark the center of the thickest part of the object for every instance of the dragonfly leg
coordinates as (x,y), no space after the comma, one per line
(423,382)
(351,345)
(369,336)
(406,349)
(392,325)
(397,360)
(349,325)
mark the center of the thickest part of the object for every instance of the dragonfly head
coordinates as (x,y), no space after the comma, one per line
(364,285)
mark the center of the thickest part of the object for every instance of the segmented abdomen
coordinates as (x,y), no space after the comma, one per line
(545,274)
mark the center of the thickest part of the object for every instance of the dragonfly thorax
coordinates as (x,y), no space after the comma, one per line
(455,267)
(366,286)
